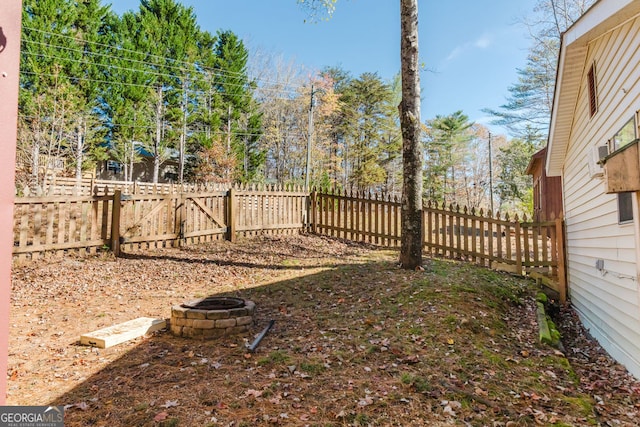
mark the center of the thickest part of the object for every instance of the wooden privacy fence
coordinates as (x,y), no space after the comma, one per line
(60,223)
(496,241)
(143,221)
(85,224)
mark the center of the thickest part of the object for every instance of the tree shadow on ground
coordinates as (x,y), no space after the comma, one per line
(354,344)
(195,381)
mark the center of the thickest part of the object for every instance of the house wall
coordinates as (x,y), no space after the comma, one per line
(547,190)
(607,301)
(142,172)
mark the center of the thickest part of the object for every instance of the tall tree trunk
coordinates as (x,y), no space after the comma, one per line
(79,152)
(128,173)
(156,144)
(411,213)
(183,135)
(35,160)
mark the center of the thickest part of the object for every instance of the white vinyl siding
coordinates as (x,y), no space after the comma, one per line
(609,301)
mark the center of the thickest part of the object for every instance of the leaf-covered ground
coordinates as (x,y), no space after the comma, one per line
(356,341)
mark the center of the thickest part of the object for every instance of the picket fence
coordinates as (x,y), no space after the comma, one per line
(65,186)
(494,240)
(118,221)
(126,222)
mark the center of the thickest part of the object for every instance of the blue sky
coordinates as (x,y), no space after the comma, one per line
(470,49)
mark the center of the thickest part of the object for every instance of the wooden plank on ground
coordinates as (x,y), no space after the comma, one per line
(117,334)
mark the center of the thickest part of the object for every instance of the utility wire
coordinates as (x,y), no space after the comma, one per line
(164,62)
(145,73)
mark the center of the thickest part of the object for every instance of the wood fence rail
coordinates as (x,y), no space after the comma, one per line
(61,186)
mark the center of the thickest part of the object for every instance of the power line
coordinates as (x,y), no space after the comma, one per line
(165,60)
(143,72)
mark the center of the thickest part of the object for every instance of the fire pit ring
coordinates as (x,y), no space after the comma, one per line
(212,317)
(215,303)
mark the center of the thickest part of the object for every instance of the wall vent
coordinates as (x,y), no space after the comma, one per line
(598,153)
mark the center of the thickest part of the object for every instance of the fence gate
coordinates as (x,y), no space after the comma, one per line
(148,221)
(202,217)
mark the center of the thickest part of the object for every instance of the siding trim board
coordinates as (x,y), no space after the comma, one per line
(607,301)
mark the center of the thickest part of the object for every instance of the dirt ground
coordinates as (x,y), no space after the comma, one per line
(356,341)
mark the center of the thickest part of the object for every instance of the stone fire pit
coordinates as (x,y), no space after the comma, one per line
(212,317)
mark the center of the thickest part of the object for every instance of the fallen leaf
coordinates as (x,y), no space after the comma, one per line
(276,399)
(365,402)
(161,416)
(252,392)
(480,392)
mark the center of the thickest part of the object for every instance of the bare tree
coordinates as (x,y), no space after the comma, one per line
(411,212)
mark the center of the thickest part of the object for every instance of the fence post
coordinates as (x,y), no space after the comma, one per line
(115,223)
(231,212)
(518,238)
(562,273)
(312,217)
(178,226)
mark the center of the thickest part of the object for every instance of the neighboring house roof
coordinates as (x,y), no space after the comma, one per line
(535,160)
(601,18)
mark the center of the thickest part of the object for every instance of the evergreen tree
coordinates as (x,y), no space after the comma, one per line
(530,99)
(126,99)
(445,148)
(367,117)
(340,80)
(242,121)
(86,72)
(514,185)
(168,31)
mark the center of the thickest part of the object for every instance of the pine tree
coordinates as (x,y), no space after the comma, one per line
(86,71)
(242,121)
(446,146)
(514,186)
(168,31)
(366,109)
(530,99)
(126,99)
